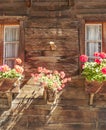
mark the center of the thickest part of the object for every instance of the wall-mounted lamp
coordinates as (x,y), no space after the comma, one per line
(52,45)
(28,3)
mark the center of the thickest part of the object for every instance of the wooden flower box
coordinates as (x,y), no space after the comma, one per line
(7,86)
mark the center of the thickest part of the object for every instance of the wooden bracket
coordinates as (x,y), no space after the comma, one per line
(28,3)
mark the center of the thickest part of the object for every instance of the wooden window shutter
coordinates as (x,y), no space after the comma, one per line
(21,45)
(1,44)
(104,37)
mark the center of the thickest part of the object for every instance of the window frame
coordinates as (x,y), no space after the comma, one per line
(90,20)
(10,42)
(13,21)
(92,41)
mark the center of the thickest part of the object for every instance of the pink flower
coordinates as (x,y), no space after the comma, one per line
(52,79)
(63,85)
(56,72)
(35,79)
(102,55)
(32,75)
(18,61)
(64,80)
(59,89)
(40,69)
(46,71)
(96,54)
(97,61)
(62,74)
(19,69)
(104,70)
(0,68)
(69,79)
(83,58)
(50,76)
(5,68)
(83,66)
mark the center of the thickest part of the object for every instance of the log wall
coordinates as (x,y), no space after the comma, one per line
(60,21)
(45,21)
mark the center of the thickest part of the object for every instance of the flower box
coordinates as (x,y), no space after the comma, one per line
(53,82)
(94,73)
(8,84)
(10,78)
(92,88)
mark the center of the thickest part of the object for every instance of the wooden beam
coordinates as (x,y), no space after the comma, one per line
(70,2)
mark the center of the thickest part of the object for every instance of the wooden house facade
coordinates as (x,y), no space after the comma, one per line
(65,23)
(53,34)
(40,23)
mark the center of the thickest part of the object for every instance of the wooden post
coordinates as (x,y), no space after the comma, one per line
(9,98)
(91,98)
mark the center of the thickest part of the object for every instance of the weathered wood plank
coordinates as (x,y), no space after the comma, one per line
(70,126)
(50,33)
(91,11)
(52,23)
(58,53)
(89,1)
(91,5)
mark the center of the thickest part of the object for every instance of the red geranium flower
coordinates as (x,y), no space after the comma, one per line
(104,70)
(102,55)
(96,54)
(83,58)
(98,61)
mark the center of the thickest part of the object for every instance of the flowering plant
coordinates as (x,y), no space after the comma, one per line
(16,72)
(52,79)
(96,69)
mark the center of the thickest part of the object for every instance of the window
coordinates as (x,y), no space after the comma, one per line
(95,38)
(11,44)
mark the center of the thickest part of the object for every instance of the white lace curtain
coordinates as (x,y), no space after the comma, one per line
(11,44)
(93,38)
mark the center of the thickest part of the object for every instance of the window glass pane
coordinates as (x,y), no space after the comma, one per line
(11,34)
(93,39)
(10,63)
(11,44)
(11,50)
(93,32)
(93,47)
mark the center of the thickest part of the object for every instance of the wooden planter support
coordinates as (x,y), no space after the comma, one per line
(9,86)
(92,88)
(50,96)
